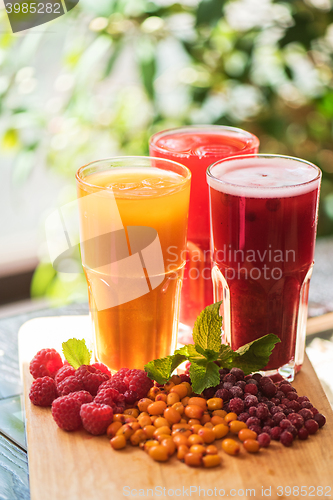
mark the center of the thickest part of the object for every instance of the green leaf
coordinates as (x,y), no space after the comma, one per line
(207,329)
(76,352)
(161,369)
(253,356)
(204,376)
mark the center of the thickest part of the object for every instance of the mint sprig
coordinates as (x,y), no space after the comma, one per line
(207,350)
(76,352)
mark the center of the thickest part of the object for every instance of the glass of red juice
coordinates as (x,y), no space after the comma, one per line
(264,211)
(197,147)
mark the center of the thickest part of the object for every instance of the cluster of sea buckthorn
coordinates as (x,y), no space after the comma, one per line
(171,421)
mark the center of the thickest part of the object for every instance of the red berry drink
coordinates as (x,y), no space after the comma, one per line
(197,147)
(263,223)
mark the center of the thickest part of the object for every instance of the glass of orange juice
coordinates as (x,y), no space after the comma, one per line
(133,215)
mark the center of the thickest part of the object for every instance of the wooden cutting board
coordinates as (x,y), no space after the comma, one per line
(77,466)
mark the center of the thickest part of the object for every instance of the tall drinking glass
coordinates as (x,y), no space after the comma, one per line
(132,210)
(197,147)
(264,212)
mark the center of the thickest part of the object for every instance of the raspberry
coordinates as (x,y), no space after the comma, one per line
(135,380)
(43,391)
(306,413)
(236,392)
(111,397)
(82,397)
(252,411)
(209,392)
(130,397)
(293,405)
(262,411)
(64,372)
(103,368)
(96,417)
(250,400)
(243,416)
(68,385)
(45,363)
(229,377)
(296,420)
(113,384)
(223,394)
(236,405)
(185,378)
(66,412)
(238,373)
(264,439)
(91,378)
(252,421)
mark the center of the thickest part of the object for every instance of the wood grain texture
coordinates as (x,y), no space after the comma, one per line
(14,482)
(77,466)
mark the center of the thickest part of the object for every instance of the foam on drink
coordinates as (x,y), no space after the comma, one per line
(245,176)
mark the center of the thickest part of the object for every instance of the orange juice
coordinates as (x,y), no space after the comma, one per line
(134,302)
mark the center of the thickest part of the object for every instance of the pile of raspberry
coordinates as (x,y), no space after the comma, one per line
(88,396)
(273,411)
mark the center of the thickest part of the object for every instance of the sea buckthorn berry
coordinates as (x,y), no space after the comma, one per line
(208,435)
(112,429)
(211,450)
(134,412)
(179,407)
(153,418)
(251,445)
(172,398)
(205,418)
(245,434)
(157,408)
(172,415)
(230,416)
(168,386)
(181,425)
(193,459)
(135,426)
(161,397)
(215,420)
(152,393)
(144,403)
(211,460)
(219,413)
(138,437)
(159,453)
(162,437)
(149,431)
(195,439)
(149,444)
(209,425)
(180,389)
(125,431)
(145,420)
(118,442)
(194,421)
(220,430)
(198,448)
(176,379)
(194,411)
(195,428)
(185,400)
(184,419)
(230,446)
(198,402)
(215,404)
(119,417)
(169,445)
(179,439)
(128,419)
(161,422)
(189,388)
(182,451)
(162,430)
(235,426)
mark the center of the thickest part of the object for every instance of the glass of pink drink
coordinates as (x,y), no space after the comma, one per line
(197,147)
(264,212)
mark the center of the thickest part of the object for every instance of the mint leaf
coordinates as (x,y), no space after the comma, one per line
(207,329)
(76,352)
(253,356)
(161,369)
(204,376)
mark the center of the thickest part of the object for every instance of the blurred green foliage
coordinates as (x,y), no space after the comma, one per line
(129,68)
